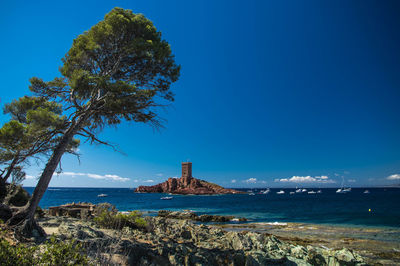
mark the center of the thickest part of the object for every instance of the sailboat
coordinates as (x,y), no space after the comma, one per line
(265,191)
(343,189)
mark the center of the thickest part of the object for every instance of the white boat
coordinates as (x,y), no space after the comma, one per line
(102,195)
(291,192)
(366,191)
(319,191)
(303,190)
(166,198)
(298,190)
(251,194)
(265,191)
(280,192)
(311,192)
(342,189)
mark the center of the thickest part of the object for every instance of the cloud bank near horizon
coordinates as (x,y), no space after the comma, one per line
(307,179)
(393,177)
(109,177)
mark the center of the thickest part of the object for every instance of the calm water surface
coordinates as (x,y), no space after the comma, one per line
(325,208)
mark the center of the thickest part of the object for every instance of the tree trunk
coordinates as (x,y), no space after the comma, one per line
(11,167)
(47,173)
(25,217)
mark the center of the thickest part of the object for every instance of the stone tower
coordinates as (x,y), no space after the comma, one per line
(186,173)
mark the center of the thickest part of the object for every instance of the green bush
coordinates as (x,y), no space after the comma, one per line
(52,253)
(115,220)
(62,253)
(16,255)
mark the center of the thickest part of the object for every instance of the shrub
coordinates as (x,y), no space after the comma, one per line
(115,220)
(52,253)
(16,255)
(62,253)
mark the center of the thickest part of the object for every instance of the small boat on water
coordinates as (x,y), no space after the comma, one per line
(303,190)
(291,192)
(298,190)
(102,195)
(311,192)
(251,194)
(366,191)
(166,198)
(319,191)
(265,191)
(342,189)
(280,192)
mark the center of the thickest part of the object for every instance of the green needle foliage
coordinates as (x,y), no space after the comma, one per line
(34,130)
(113,72)
(120,69)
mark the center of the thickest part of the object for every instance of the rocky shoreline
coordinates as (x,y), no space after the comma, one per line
(180,241)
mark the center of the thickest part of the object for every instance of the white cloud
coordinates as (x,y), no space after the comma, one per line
(233,181)
(148,181)
(307,179)
(72,174)
(251,180)
(393,177)
(160,174)
(29,177)
(96,176)
(352,180)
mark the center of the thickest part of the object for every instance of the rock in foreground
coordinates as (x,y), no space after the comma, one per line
(180,242)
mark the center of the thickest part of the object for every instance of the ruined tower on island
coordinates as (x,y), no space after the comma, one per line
(186,173)
(187,184)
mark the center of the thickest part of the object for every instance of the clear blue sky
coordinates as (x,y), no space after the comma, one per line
(271,92)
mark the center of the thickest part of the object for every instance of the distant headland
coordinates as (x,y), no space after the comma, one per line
(186,185)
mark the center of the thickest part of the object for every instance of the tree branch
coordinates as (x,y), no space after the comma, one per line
(93,139)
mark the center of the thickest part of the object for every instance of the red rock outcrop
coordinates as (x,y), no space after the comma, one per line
(186,185)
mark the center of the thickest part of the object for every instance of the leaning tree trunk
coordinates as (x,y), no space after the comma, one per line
(24,219)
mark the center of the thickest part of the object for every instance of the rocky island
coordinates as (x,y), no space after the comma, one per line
(186,185)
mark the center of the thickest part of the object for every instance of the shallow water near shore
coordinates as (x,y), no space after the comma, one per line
(379,208)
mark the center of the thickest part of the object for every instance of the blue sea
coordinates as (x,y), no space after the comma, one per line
(379,208)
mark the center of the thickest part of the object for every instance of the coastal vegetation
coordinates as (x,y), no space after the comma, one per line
(110,218)
(52,252)
(119,70)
